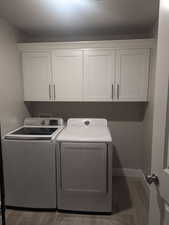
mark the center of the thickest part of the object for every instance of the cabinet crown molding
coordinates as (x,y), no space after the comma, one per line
(115,44)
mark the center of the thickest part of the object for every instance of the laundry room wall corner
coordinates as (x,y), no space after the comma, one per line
(12,108)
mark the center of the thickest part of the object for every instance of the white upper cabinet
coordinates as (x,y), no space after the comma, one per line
(87,71)
(99,75)
(67,75)
(37,76)
(132,74)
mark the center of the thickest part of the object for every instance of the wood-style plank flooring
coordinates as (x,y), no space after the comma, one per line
(130,207)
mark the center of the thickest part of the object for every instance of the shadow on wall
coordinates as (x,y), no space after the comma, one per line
(125,123)
(121,111)
(121,194)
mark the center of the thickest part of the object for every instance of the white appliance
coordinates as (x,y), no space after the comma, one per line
(29,163)
(84,166)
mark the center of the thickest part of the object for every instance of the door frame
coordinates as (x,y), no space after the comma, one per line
(159,195)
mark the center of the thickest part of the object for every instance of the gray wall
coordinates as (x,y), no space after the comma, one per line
(12,108)
(126,122)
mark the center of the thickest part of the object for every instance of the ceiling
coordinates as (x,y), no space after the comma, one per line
(78,17)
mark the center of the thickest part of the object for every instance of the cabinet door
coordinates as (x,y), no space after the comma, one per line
(132,75)
(37,76)
(99,75)
(67,75)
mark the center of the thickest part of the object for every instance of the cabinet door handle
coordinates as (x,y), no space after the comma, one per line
(118,91)
(54,92)
(112,91)
(49,92)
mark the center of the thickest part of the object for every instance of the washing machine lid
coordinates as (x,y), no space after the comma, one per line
(34,131)
(37,129)
(85,130)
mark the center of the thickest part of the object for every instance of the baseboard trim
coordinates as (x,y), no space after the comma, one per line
(127,172)
(135,173)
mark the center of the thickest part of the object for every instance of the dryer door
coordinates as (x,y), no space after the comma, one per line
(83,176)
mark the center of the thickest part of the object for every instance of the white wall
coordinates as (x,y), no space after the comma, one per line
(12,108)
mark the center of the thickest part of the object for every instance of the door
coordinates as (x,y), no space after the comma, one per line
(132,74)
(99,75)
(67,75)
(159,195)
(37,76)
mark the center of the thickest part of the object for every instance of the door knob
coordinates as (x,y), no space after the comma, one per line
(152,179)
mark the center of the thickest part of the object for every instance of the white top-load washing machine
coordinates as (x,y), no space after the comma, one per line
(84,166)
(29,163)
